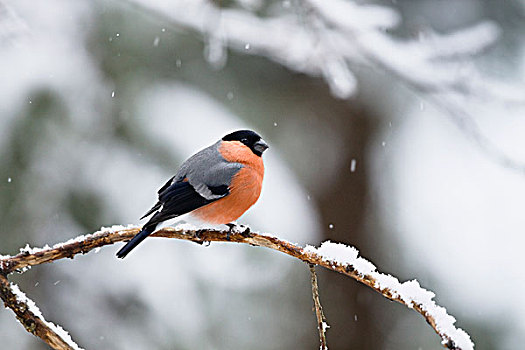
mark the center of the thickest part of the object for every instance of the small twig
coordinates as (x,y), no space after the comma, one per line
(321,319)
(30,317)
(421,302)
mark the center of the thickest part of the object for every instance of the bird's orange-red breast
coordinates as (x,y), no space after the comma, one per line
(245,186)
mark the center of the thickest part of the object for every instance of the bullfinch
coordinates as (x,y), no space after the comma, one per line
(216,185)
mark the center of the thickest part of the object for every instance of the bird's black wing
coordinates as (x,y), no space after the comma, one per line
(176,199)
(159,204)
(166,185)
(181,198)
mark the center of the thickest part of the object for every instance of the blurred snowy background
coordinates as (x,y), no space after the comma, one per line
(395,126)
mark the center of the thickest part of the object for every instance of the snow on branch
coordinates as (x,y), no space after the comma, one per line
(328,38)
(31,318)
(307,36)
(333,256)
(340,256)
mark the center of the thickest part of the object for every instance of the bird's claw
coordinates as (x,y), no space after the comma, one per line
(231,226)
(247,232)
(198,233)
(200,241)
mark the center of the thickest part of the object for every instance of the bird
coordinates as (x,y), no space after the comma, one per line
(216,185)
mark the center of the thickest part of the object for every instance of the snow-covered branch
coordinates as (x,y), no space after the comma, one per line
(315,36)
(333,256)
(31,318)
(331,38)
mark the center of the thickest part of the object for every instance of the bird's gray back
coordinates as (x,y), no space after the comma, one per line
(207,168)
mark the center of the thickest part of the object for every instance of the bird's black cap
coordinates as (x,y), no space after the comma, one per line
(250,139)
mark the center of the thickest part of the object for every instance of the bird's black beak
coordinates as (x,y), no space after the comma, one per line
(260,146)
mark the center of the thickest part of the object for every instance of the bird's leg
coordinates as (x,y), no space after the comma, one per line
(231,225)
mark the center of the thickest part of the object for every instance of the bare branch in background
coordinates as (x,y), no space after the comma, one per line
(319,314)
(333,256)
(327,38)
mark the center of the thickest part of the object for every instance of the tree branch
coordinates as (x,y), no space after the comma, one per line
(319,314)
(336,257)
(30,317)
(323,42)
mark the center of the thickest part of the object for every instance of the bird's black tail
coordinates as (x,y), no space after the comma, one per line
(139,237)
